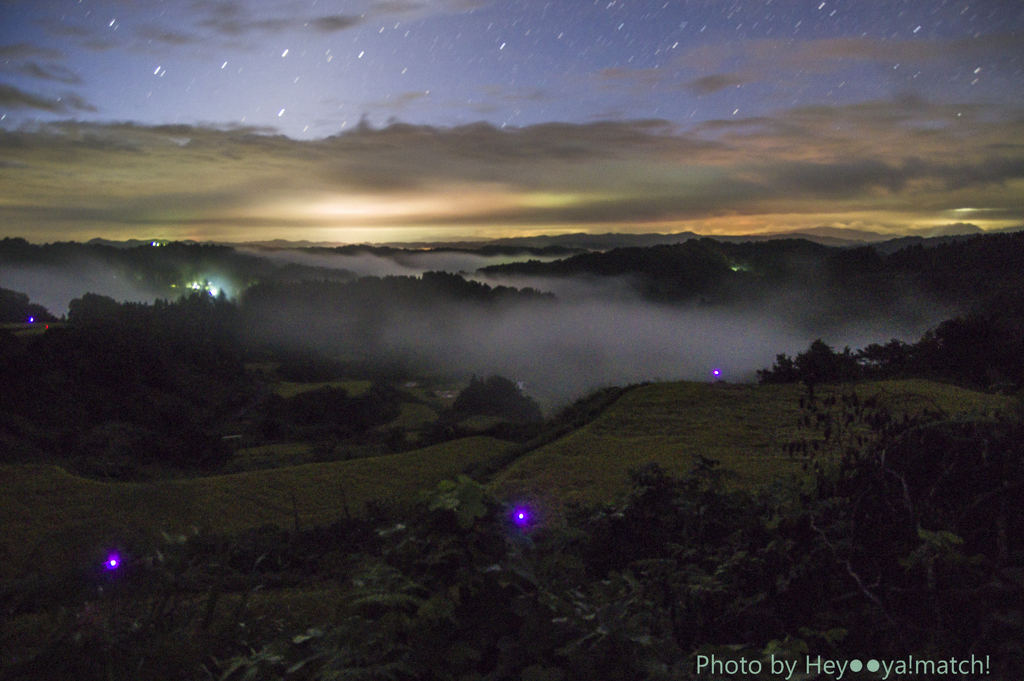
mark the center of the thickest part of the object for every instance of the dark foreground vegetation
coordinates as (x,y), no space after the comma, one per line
(912,546)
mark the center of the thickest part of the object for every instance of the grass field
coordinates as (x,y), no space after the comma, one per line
(288,389)
(413,415)
(26,329)
(51,516)
(743,426)
(270,456)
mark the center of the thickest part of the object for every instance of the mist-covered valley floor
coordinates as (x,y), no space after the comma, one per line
(560,320)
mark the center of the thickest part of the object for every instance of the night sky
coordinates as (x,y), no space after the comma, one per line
(406,120)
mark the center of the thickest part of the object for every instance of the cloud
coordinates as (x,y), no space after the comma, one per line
(706,69)
(399,101)
(239,26)
(891,166)
(425,7)
(233,19)
(63,29)
(641,80)
(397,6)
(159,34)
(28,51)
(826,55)
(711,84)
(645,77)
(14,98)
(954,229)
(517,94)
(50,72)
(335,23)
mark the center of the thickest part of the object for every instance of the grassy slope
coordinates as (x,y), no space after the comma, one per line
(50,515)
(743,426)
(287,389)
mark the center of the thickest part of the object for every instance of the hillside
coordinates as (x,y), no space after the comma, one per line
(281,583)
(52,517)
(747,428)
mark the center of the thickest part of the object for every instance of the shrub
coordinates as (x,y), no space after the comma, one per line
(497,396)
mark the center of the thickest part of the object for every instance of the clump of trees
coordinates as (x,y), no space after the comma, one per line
(980,351)
(496,396)
(16,307)
(327,412)
(124,385)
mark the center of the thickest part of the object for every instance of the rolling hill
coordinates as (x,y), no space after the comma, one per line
(52,516)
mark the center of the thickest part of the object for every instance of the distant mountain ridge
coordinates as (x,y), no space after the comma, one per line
(826,236)
(578,241)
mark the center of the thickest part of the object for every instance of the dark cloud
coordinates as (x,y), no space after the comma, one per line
(829,54)
(335,23)
(711,84)
(494,97)
(463,5)
(63,29)
(633,76)
(234,27)
(991,171)
(99,45)
(955,229)
(484,143)
(14,98)
(28,51)
(49,72)
(843,179)
(644,79)
(849,179)
(166,36)
(399,101)
(230,18)
(397,6)
(421,7)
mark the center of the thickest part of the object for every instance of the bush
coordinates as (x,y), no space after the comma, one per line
(496,396)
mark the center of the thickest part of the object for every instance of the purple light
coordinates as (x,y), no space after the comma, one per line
(112,562)
(716,373)
(521,516)
(31,320)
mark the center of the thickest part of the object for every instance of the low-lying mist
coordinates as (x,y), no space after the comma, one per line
(54,287)
(566,349)
(395,262)
(596,333)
